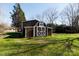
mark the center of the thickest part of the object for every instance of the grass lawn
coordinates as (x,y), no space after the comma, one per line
(54,45)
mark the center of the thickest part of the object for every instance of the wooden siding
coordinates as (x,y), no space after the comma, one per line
(49,31)
(29,32)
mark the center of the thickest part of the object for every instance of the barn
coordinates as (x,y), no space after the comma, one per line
(34,28)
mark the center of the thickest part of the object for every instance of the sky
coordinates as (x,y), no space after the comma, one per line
(30,10)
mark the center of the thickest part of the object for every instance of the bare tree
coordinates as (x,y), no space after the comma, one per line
(39,17)
(48,16)
(62,20)
(70,13)
(51,15)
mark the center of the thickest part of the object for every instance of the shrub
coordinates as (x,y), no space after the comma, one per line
(66,29)
(15,34)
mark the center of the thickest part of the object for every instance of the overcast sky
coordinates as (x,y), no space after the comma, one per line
(30,9)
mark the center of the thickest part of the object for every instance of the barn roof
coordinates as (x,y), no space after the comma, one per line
(31,23)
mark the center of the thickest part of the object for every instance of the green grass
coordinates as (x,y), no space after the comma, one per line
(63,36)
(40,46)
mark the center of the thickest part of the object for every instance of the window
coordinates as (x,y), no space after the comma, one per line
(41,24)
(39,29)
(43,29)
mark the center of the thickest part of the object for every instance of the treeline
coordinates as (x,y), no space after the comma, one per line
(65,29)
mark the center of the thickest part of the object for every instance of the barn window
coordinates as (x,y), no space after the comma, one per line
(41,24)
(39,29)
(43,29)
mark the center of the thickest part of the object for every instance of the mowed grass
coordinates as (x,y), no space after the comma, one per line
(39,46)
(64,36)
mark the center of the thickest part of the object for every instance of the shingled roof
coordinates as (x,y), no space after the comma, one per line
(31,23)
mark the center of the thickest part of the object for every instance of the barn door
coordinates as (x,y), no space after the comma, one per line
(41,31)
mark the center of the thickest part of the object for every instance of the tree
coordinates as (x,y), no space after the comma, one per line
(39,17)
(62,20)
(17,16)
(70,13)
(51,15)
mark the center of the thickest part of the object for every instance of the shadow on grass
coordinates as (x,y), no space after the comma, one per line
(37,46)
(14,35)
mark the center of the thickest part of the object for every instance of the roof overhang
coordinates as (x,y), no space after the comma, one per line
(28,27)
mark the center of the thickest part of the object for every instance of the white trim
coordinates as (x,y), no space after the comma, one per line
(25,33)
(41,26)
(36,23)
(47,31)
(28,27)
(49,27)
(37,31)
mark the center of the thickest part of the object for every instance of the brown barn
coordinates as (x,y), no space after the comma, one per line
(34,28)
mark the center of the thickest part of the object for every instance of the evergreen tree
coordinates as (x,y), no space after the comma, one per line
(17,16)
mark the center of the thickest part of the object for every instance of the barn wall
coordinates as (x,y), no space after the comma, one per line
(39,31)
(29,32)
(46,31)
(49,31)
(35,31)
